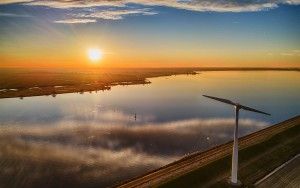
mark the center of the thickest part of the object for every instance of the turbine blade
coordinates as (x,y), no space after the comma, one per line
(234,104)
(253,110)
(221,100)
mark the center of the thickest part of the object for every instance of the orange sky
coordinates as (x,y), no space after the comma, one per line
(56,35)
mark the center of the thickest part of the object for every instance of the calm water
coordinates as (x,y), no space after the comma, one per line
(106,137)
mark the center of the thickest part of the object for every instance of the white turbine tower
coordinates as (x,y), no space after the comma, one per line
(234,166)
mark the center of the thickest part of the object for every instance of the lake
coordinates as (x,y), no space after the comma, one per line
(105,137)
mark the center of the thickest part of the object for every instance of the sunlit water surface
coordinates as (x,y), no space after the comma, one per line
(99,139)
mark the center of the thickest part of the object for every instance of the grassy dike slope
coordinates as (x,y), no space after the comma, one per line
(254,162)
(259,154)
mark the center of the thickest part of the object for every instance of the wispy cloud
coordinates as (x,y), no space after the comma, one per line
(196,5)
(75,21)
(291,53)
(100,153)
(62,4)
(116,14)
(293,2)
(119,12)
(2,14)
(154,138)
(3,2)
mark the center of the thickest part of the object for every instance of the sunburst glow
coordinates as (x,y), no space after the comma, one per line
(94,54)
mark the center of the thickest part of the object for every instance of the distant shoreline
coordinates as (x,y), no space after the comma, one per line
(247,69)
(69,69)
(20,82)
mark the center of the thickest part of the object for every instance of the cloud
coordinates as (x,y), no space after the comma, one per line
(115,14)
(2,14)
(215,5)
(292,2)
(153,139)
(75,21)
(69,166)
(87,115)
(119,12)
(62,4)
(291,53)
(194,5)
(97,155)
(109,14)
(3,2)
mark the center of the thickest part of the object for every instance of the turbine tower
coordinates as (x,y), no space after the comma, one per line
(237,106)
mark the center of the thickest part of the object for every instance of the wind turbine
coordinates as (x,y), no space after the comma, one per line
(237,106)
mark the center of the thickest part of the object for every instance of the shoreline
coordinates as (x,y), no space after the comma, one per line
(198,169)
(19,83)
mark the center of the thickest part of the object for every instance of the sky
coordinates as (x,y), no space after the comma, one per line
(150,33)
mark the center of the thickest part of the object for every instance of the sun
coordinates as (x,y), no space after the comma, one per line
(94,54)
